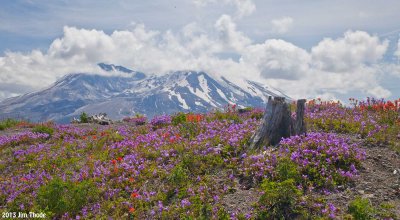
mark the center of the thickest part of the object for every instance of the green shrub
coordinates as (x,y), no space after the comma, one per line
(189,130)
(387,210)
(178,118)
(84,117)
(257,115)
(287,169)
(279,200)
(58,197)
(178,175)
(361,209)
(228,116)
(8,123)
(43,129)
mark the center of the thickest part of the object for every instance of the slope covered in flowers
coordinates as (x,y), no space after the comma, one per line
(188,166)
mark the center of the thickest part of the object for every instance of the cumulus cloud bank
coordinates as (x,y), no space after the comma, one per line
(333,66)
(348,53)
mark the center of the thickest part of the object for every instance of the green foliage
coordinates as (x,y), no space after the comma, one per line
(287,169)
(178,118)
(202,164)
(8,123)
(201,208)
(228,116)
(387,211)
(257,115)
(84,118)
(279,199)
(58,197)
(189,130)
(178,175)
(43,128)
(223,215)
(361,209)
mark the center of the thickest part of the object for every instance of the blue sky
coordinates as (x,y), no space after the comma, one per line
(307,48)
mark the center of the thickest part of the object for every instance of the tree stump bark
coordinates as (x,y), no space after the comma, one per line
(299,124)
(277,123)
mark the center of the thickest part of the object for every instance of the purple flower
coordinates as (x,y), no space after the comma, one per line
(185,203)
(216,198)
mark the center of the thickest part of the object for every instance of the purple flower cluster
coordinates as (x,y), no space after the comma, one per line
(324,159)
(161,120)
(375,126)
(23,137)
(139,120)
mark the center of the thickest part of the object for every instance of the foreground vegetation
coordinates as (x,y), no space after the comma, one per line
(186,166)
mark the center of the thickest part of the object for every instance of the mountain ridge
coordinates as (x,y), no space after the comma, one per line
(137,93)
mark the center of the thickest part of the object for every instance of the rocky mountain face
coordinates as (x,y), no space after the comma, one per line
(131,93)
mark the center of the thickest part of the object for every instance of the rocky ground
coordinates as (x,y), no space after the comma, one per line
(379,180)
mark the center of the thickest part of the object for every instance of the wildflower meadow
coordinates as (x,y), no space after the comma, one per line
(199,166)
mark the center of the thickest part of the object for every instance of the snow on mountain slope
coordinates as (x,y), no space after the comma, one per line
(121,96)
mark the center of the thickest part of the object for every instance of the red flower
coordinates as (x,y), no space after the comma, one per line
(119,159)
(198,118)
(131,210)
(131,180)
(165,135)
(134,195)
(189,118)
(113,161)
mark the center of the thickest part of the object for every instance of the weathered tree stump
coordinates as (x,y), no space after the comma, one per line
(277,123)
(299,126)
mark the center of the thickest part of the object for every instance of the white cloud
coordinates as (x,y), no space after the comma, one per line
(228,34)
(202,3)
(397,52)
(378,91)
(278,59)
(243,7)
(347,53)
(335,66)
(282,25)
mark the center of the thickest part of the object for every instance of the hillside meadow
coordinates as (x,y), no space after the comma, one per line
(198,166)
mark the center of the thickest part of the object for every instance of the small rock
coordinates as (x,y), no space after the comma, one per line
(395,172)
(361,191)
(368,196)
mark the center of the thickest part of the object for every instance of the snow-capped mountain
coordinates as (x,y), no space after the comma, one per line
(134,92)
